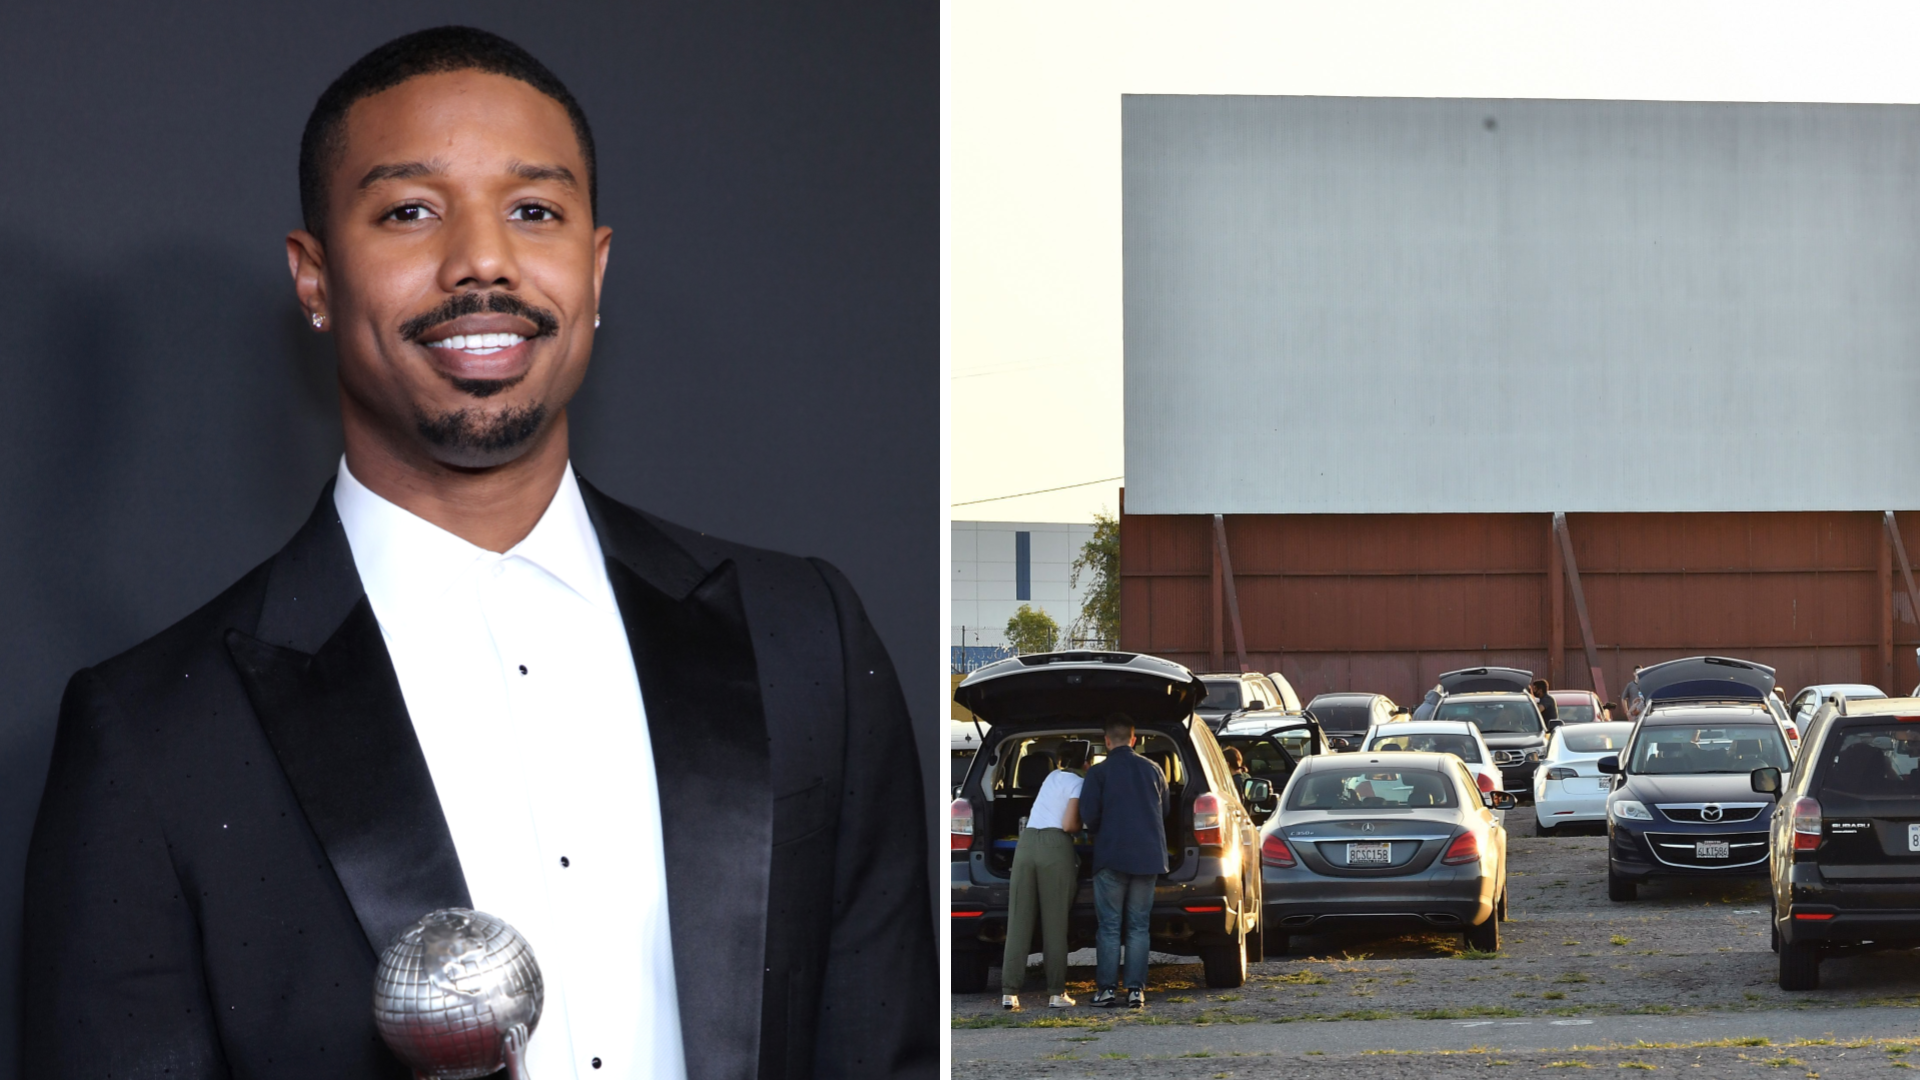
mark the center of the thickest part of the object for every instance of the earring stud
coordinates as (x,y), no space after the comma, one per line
(596,320)
(319,321)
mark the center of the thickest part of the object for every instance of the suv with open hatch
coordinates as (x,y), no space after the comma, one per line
(1845,837)
(1207,904)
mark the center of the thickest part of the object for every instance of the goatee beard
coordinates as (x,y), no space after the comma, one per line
(473,432)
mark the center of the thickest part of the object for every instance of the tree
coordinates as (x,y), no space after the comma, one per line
(1099,559)
(1031,631)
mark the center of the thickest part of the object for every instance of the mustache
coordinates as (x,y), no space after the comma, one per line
(499,303)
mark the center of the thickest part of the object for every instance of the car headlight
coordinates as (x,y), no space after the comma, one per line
(1534,755)
(1630,809)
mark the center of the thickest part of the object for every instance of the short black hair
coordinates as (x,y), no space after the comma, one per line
(1118,726)
(424,52)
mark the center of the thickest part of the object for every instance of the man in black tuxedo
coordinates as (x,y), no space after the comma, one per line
(715,842)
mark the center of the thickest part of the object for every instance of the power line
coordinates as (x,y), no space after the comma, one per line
(1042,491)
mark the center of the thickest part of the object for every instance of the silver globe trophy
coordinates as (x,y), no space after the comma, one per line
(458,995)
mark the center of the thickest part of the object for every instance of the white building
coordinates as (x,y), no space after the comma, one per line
(999,565)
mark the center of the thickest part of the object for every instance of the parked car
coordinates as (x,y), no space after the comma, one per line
(1456,737)
(1568,786)
(1230,694)
(1511,726)
(963,740)
(1273,743)
(1845,837)
(1576,706)
(1710,678)
(1682,804)
(1289,701)
(1347,717)
(1208,904)
(1386,841)
(1808,701)
(1468,680)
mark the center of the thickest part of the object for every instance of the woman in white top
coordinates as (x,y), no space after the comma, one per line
(1046,876)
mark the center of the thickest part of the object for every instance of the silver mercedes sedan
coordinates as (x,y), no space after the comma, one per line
(1390,840)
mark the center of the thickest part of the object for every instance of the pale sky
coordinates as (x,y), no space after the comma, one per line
(1033,161)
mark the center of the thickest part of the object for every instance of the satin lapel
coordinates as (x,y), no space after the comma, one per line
(324,690)
(694,655)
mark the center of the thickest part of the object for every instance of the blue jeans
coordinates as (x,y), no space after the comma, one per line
(1116,895)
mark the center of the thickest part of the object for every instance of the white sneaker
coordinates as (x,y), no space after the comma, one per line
(1061,1001)
(1010,1002)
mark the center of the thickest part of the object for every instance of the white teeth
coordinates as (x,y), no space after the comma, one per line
(481,344)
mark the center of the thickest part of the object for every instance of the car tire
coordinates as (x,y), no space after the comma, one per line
(969,970)
(1799,966)
(1226,965)
(1500,905)
(1773,924)
(1620,889)
(1486,936)
(1541,828)
(1256,945)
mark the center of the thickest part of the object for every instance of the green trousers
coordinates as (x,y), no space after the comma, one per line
(1046,875)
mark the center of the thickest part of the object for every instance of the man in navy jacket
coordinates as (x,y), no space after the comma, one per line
(1124,802)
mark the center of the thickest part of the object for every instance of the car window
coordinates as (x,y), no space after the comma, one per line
(1221,694)
(1370,788)
(1468,784)
(962,760)
(1462,746)
(1589,741)
(1575,714)
(1871,762)
(1263,757)
(1342,716)
(1686,749)
(1498,716)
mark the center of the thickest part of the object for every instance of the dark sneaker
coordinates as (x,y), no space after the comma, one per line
(1103,999)
(1010,1002)
(1136,999)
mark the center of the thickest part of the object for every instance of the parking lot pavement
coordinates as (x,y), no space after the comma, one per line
(1685,964)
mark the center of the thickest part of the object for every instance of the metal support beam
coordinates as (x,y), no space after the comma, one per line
(1556,611)
(1883,673)
(1906,568)
(1580,604)
(1216,659)
(1225,562)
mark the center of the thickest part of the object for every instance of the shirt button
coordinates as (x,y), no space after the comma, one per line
(596,1063)
(563,865)
(523,669)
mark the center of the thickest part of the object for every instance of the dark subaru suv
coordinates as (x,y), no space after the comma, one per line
(1845,837)
(1207,904)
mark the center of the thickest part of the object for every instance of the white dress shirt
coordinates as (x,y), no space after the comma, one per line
(518,678)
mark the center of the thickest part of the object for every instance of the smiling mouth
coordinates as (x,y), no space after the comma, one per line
(477,344)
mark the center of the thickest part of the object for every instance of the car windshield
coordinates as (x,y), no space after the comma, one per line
(1343,715)
(1574,714)
(1496,716)
(1222,694)
(962,761)
(1438,742)
(1596,739)
(1370,789)
(1875,762)
(1684,749)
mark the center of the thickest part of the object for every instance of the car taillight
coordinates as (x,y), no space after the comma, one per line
(1485,782)
(1206,820)
(1464,849)
(1275,852)
(1560,772)
(1792,732)
(1806,824)
(960,824)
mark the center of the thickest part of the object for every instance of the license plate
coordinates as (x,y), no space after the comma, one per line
(1372,854)
(1710,849)
(1913,837)
(1605,783)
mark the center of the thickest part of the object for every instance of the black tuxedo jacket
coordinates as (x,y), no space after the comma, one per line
(238,819)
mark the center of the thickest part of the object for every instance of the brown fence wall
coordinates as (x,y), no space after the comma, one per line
(1387,602)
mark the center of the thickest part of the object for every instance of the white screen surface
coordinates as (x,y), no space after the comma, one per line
(1354,305)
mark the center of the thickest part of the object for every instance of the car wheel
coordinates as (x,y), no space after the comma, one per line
(1773,924)
(1486,936)
(1620,888)
(1500,905)
(1256,945)
(969,970)
(1226,965)
(1541,828)
(1799,966)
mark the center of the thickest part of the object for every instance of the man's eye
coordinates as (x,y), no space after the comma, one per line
(533,213)
(408,214)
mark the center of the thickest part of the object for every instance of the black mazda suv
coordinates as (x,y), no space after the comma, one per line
(1845,837)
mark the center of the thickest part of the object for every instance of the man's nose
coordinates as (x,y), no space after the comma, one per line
(479,254)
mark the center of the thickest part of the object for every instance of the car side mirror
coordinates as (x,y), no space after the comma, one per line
(1256,705)
(1609,765)
(1766,781)
(1551,724)
(1259,791)
(1499,800)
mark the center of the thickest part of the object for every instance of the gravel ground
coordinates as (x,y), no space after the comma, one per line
(1567,953)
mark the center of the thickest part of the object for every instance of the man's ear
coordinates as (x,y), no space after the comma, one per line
(307,262)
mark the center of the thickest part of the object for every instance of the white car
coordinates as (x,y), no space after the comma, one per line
(1569,787)
(1456,737)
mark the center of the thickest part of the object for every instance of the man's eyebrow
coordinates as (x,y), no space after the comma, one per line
(559,173)
(406,170)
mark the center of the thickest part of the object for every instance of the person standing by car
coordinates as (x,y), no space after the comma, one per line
(1124,802)
(1538,688)
(1237,765)
(1045,876)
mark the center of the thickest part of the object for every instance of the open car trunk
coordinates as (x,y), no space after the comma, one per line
(1022,762)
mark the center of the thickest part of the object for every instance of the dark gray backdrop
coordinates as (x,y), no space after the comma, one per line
(768,370)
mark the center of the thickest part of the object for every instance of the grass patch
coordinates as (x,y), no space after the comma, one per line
(1620,939)
(1228,997)
(1466,1012)
(1316,1053)
(1782,1061)
(1222,1016)
(1637,1065)
(1573,977)
(1197,1054)
(1471,953)
(1896,1049)
(1182,999)
(1116,1057)
(1062,1056)
(1367,1014)
(1064,1022)
(1555,995)
(1303,977)
(1566,1065)
(1751,996)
